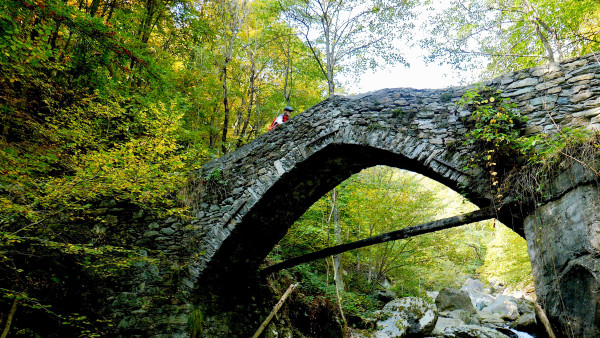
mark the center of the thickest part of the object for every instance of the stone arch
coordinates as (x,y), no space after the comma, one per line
(267,221)
(420,130)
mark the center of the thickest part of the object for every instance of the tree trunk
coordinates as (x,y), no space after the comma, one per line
(251,93)
(337,259)
(262,327)
(225,109)
(11,314)
(288,78)
(445,223)
(212,136)
(538,24)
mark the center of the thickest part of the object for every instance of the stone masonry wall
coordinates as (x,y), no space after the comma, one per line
(563,239)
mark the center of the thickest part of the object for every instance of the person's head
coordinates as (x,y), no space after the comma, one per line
(288,110)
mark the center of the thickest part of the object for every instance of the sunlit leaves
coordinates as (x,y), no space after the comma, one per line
(509,35)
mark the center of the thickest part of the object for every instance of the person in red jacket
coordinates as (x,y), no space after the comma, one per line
(281,119)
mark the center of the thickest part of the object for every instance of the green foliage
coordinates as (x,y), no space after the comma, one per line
(495,133)
(496,125)
(195,322)
(511,35)
(382,199)
(112,104)
(507,259)
(497,136)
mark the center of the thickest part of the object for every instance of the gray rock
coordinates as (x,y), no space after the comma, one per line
(408,317)
(491,319)
(504,306)
(465,316)
(523,83)
(167,231)
(480,299)
(525,306)
(451,299)
(151,233)
(525,323)
(472,331)
(443,323)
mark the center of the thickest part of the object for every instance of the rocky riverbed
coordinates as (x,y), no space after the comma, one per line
(472,311)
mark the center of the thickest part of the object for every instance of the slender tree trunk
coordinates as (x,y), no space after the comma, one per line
(288,78)
(239,118)
(225,109)
(279,304)
(94,7)
(337,259)
(212,136)
(54,36)
(329,50)
(251,93)
(339,299)
(11,314)
(537,24)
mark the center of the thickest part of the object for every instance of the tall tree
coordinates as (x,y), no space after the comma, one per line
(349,31)
(513,34)
(233,15)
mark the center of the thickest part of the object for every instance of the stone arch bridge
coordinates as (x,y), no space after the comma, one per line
(246,200)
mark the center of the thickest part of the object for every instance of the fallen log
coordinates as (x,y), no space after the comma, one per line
(541,314)
(441,224)
(274,311)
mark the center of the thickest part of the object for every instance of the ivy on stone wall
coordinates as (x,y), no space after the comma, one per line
(495,132)
(518,163)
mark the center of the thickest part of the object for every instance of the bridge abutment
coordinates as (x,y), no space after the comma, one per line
(563,239)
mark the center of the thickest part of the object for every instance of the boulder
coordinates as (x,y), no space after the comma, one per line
(472,284)
(443,323)
(465,316)
(525,306)
(480,299)
(472,331)
(432,294)
(361,323)
(525,323)
(505,306)
(491,320)
(451,299)
(385,295)
(408,317)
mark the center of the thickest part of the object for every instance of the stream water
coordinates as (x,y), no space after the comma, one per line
(519,334)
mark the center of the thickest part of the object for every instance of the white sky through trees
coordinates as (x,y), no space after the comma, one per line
(419,74)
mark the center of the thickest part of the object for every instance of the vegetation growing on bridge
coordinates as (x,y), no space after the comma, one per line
(519,166)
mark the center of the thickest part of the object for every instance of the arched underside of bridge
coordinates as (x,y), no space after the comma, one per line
(267,222)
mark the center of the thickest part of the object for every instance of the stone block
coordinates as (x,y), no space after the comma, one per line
(151,233)
(543,100)
(581,78)
(167,231)
(527,82)
(581,96)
